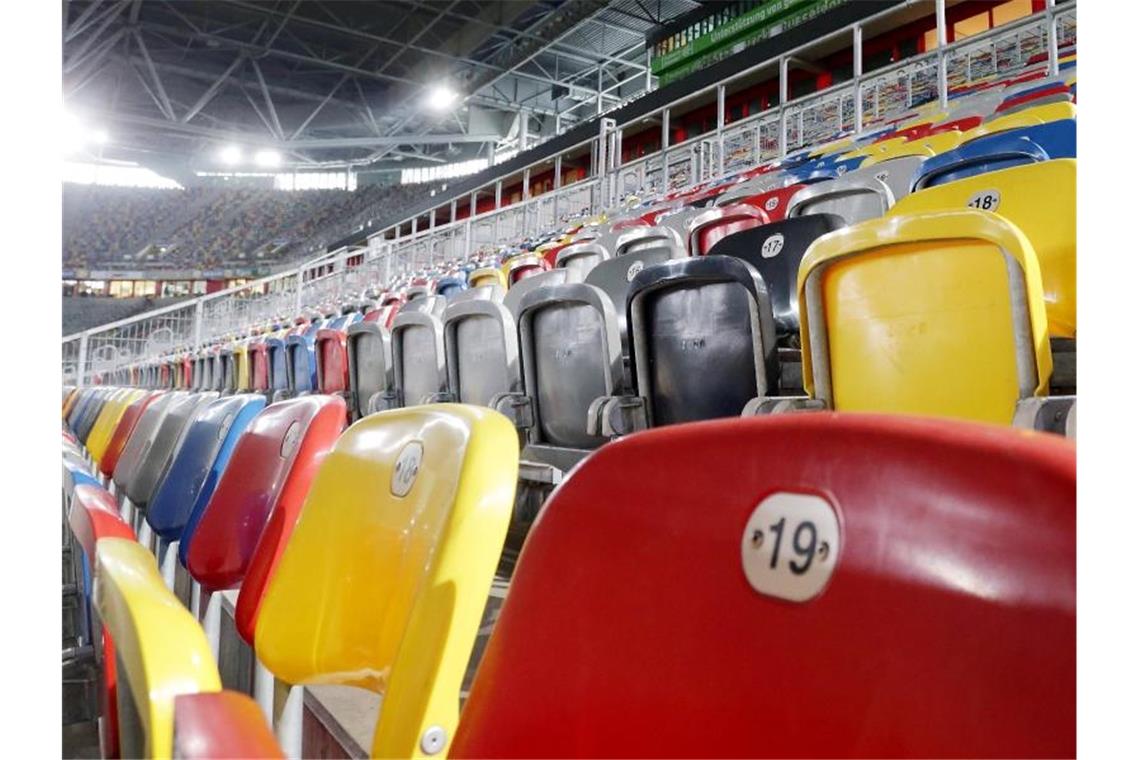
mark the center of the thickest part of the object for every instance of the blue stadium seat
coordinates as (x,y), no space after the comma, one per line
(1014,147)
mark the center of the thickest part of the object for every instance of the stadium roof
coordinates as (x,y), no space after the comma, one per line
(330,82)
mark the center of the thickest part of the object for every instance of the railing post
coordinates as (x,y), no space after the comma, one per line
(664,150)
(198,323)
(81,365)
(1051,22)
(943,85)
(720,119)
(857,74)
(783,137)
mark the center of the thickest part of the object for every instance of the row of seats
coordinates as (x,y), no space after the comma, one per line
(935,616)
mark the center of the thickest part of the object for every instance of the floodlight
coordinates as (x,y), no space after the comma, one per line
(267,158)
(231,154)
(441,97)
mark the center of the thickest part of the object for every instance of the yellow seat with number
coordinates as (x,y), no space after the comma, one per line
(241,366)
(1041,199)
(391,562)
(161,651)
(922,314)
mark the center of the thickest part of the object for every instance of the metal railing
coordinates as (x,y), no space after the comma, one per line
(865,100)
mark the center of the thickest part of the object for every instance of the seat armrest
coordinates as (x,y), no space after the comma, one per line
(614,416)
(517,407)
(1050,414)
(382,401)
(781,404)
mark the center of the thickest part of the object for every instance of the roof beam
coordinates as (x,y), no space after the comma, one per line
(209,94)
(162,99)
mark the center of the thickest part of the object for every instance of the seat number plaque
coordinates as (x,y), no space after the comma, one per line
(790,546)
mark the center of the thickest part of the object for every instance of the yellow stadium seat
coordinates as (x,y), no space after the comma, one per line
(108,420)
(835,146)
(487,276)
(161,650)
(921,314)
(391,560)
(874,148)
(1026,118)
(1041,199)
(241,366)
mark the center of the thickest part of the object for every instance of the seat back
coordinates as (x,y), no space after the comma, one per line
(271,467)
(556,276)
(854,198)
(481,349)
(417,502)
(195,468)
(580,258)
(219,724)
(716,223)
(108,420)
(896,173)
(775,251)
(94,516)
(332,361)
(242,381)
(167,438)
(613,277)
(161,651)
(259,366)
(688,315)
(991,152)
(913,580)
(301,362)
(936,313)
(127,423)
(369,348)
(571,354)
(774,202)
(142,438)
(229,371)
(278,365)
(1041,199)
(637,238)
(417,353)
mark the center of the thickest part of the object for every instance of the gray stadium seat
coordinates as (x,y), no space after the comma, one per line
(854,198)
(419,371)
(142,438)
(580,258)
(153,462)
(369,366)
(570,353)
(481,348)
(685,317)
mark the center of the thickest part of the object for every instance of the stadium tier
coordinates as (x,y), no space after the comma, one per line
(780,463)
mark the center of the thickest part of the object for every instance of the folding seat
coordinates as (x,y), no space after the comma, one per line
(451,285)
(123,430)
(937,314)
(269,470)
(368,345)
(220,724)
(927,586)
(228,370)
(679,219)
(418,369)
(854,197)
(90,412)
(570,351)
(397,607)
(94,516)
(523,266)
(331,353)
(280,380)
(1037,114)
(160,650)
(141,439)
(1012,147)
(705,229)
(684,317)
(487,276)
(481,346)
(187,376)
(108,419)
(421,287)
(774,202)
(195,468)
(217,369)
(301,362)
(242,382)
(775,251)
(580,258)
(259,365)
(896,173)
(1041,200)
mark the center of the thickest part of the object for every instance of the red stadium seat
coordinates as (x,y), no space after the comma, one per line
(332,361)
(221,724)
(94,516)
(774,203)
(714,225)
(123,432)
(269,471)
(818,585)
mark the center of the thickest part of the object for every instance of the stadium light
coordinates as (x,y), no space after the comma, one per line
(267,158)
(77,135)
(231,154)
(441,97)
